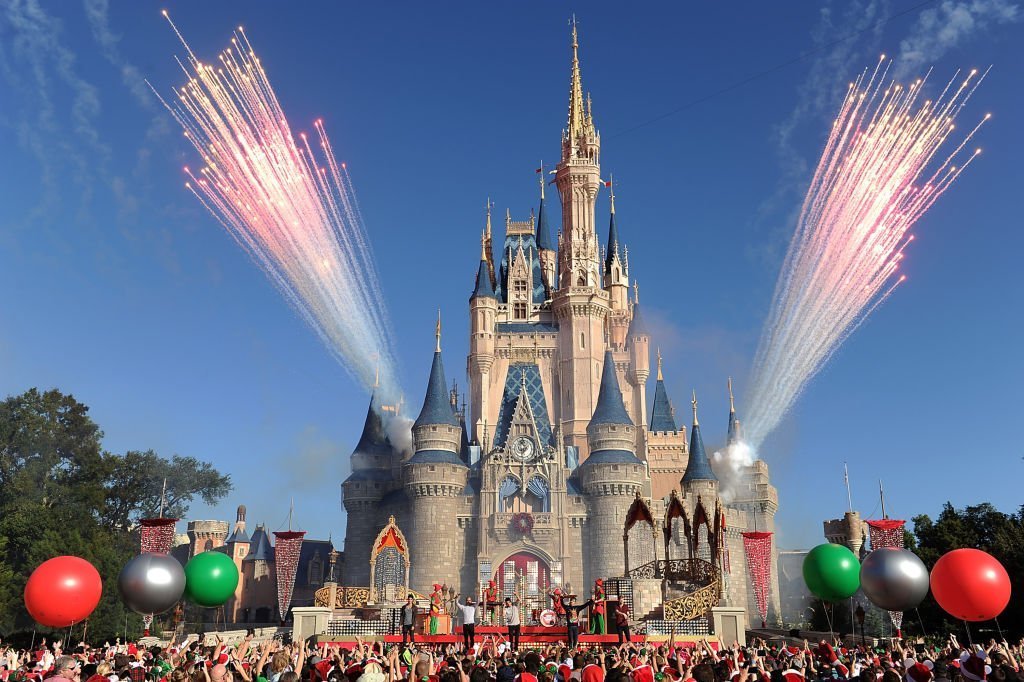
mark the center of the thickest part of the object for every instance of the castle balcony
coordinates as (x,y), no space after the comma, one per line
(542,521)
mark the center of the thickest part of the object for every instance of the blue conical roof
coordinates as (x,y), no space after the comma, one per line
(699,466)
(662,416)
(613,245)
(374,440)
(637,326)
(260,549)
(544,240)
(734,428)
(610,408)
(436,407)
(483,281)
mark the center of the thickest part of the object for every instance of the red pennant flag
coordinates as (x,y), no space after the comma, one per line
(608,184)
(539,170)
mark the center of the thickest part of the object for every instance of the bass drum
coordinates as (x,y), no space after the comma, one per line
(548,618)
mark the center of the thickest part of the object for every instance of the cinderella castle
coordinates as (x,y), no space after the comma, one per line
(562,469)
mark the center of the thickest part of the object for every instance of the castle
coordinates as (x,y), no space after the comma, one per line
(562,469)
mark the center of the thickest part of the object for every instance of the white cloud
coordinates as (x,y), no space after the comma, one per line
(952,23)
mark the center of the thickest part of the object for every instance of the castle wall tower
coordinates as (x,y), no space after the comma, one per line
(483,313)
(580,305)
(434,478)
(546,245)
(611,477)
(667,452)
(361,494)
(238,547)
(638,341)
(206,535)
(616,283)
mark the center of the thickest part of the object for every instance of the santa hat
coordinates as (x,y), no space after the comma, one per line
(918,672)
(842,669)
(973,667)
(437,586)
(792,676)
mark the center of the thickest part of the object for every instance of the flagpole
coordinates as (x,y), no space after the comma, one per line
(846,479)
(163,498)
(881,497)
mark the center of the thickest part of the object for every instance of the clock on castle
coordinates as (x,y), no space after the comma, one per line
(559,431)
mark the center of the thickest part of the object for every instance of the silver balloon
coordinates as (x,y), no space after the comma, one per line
(151,583)
(894,579)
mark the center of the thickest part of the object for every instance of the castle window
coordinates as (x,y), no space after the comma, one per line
(519,311)
(315,574)
(260,570)
(583,340)
(519,288)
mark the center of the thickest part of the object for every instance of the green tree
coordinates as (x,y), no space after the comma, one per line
(981,527)
(142,484)
(60,493)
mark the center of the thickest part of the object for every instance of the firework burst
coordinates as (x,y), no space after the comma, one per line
(294,211)
(882,168)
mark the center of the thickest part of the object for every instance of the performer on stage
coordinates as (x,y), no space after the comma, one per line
(511,614)
(597,613)
(622,621)
(491,601)
(407,617)
(572,618)
(435,608)
(556,604)
(468,621)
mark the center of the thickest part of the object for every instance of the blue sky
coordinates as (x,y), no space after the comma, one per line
(120,290)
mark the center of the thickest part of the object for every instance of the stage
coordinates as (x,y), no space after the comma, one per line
(531,636)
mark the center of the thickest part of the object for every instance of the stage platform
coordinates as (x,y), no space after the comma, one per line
(531,636)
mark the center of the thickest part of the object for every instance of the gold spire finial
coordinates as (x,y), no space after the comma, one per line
(540,173)
(695,422)
(376,371)
(488,228)
(483,246)
(611,189)
(437,332)
(577,116)
(732,405)
(660,378)
(636,292)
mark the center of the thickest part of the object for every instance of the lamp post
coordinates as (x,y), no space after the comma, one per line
(859,613)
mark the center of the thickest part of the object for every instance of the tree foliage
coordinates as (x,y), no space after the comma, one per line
(61,493)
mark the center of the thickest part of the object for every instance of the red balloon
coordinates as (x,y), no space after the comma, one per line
(63,591)
(970,585)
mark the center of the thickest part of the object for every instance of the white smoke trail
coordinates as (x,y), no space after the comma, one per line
(872,184)
(293,211)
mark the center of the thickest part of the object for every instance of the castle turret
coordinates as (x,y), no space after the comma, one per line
(610,477)
(483,312)
(666,442)
(434,478)
(735,435)
(578,178)
(546,246)
(638,342)
(699,478)
(580,305)
(616,277)
(362,491)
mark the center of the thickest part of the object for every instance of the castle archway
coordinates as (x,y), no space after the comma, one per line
(527,575)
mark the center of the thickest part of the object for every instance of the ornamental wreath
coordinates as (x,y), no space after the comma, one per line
(523,522)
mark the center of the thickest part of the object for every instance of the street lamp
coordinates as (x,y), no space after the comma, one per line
(859,613)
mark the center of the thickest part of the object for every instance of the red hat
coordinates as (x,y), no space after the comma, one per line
(842,669)
(437,586)
(919,672)
(973,667)
(792,676)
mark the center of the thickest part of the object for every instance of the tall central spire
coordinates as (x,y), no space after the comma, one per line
(577,115)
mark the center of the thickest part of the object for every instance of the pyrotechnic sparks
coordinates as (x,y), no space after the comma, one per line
(293,211)
(871,185)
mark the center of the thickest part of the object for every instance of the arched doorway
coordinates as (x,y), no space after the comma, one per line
(528,576)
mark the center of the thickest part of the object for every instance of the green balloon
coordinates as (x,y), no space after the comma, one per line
(832,572)
(210,578)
